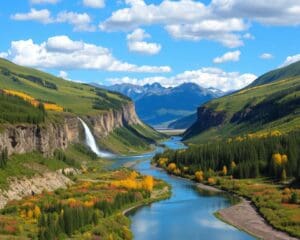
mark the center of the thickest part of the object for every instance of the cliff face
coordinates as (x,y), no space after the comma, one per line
(45,139)
(206,118)
(105,123)
(25,138)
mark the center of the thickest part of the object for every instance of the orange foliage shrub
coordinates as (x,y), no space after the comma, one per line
(211,181)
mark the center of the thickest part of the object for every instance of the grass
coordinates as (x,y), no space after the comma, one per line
(94,184)
(280,92)
(75,97)
(27,165)
(271,200)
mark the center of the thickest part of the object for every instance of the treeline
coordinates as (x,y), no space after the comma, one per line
(59,220)
(60,155)
(3,158)
(106,102)
(15,110)
(37,80)
(271,156)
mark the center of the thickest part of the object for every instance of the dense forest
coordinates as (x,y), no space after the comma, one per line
(57,219)
(273,155)
(14,109)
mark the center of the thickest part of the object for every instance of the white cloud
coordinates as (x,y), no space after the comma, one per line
(44,1)
(228,57)
(136,43)
(223,21)
(63,74)
(205,77)
(183,19)
(61,52)
(266,56)
(291,59)
(80,21)
(269,12)
(94,3)
(43,16)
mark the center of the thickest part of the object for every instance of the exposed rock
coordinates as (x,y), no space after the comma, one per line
(22,187)
(25,138)
(206,118)
(105,123)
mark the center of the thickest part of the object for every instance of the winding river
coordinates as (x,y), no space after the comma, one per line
(188,214)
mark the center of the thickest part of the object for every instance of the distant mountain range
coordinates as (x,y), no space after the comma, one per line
(161,106)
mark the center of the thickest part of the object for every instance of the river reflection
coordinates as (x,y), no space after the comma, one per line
(188,214)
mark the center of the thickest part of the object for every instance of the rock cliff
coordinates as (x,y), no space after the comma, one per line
(105,123)
(206,118)
(23,138)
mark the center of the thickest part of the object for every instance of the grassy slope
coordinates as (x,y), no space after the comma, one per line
(77,98)
(279,94)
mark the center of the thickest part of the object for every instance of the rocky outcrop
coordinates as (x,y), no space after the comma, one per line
(105,123)
(25,138)
(22,187)
(206,118)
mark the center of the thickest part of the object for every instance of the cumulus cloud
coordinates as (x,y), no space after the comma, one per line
(223,21)
(269,12)
(228,57)
(291,59)
(136,43)
(80,21)
(44,1)
(184,19)
(61,52)
(43,16)
(94,3)
(266,56)
(205,77)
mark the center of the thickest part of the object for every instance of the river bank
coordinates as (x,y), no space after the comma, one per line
(245,216)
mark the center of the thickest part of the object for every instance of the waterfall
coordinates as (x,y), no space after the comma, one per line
(91,142)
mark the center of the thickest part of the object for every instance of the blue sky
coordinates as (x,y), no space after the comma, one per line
(215,43)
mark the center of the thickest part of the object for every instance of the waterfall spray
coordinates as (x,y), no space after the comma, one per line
(91,142)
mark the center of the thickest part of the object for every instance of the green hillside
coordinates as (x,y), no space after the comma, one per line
(75,98)
(289,71)
(259,109)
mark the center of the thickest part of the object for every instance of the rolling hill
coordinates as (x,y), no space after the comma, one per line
(272,102)
(63,98)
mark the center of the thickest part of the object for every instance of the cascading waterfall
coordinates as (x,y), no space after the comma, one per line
(91,142)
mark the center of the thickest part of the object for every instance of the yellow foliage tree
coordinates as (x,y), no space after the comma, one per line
(171,167)
(224,171)
(133,175)
(277,158)
(284,159)
(233,165)
(199,176)
(148,183)
(30,213)
(37,211)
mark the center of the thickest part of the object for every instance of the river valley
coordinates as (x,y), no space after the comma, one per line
(187,214)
